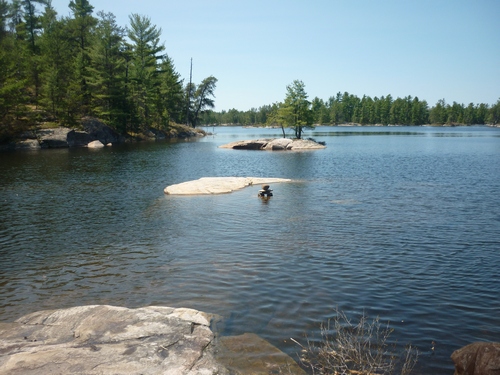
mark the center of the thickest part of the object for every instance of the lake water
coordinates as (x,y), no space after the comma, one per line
(397,222)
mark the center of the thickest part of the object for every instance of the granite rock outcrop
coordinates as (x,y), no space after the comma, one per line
(274,144)
(101,339)
(111,340)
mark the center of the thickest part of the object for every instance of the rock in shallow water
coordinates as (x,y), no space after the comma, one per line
(218,185)
(250,354)
(274,144)
(95,144)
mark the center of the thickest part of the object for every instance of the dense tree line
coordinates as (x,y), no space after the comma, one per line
(60,69)
(348,108)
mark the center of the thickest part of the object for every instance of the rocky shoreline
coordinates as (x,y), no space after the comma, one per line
(102,339)
(106,340)
(92,133)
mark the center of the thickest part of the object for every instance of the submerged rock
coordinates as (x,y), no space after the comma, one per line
(218,185)
(250,354)
(275,144)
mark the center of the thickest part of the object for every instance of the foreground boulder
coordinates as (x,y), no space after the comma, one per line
(275,144)
(479,358)
(109,340)
(218,185)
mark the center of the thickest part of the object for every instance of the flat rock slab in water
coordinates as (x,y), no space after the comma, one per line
(218,185)
(274,144)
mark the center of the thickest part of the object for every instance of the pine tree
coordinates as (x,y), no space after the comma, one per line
(13,83)
(56,66)
(144,80)
(32,27)
(296,111)
(437,114)
(494,113)
(107,72)
(482,113)
(202,98)
(171,92)
(81,29)
(14,71)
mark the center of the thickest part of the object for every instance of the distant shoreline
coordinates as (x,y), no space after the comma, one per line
(90,131)
(358,125)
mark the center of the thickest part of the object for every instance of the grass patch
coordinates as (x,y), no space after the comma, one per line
(49,125)
(356,348)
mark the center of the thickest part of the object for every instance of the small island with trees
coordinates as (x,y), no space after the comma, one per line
(294,113)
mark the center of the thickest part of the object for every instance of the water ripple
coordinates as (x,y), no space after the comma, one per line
(405,228)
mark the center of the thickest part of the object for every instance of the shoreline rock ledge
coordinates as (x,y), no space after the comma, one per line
(111,340)
(101,339)
(218,185)
(275,144)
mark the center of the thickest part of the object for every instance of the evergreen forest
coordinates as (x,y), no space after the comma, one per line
(385,110)
(57,70)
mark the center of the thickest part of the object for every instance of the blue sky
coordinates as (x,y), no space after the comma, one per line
(432,49)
